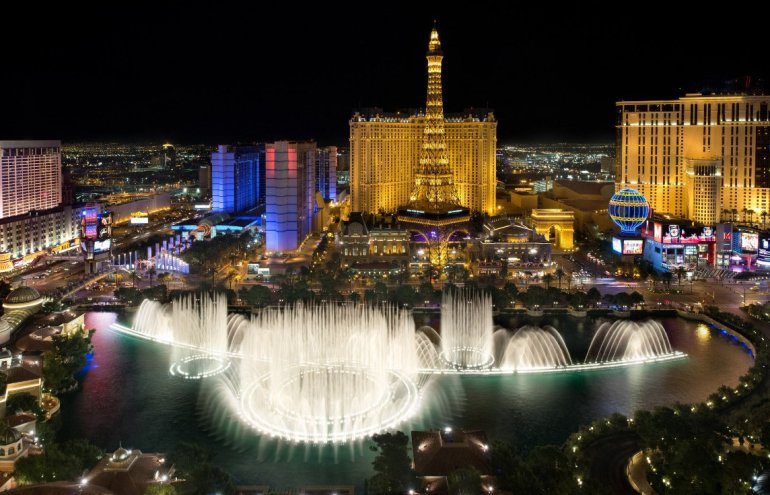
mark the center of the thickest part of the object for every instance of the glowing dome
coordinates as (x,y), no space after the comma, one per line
(628,209)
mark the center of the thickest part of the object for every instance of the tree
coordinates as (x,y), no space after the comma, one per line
(355,297)
(547,280)
(5,289)
(405,295)
(158,489)
(370,296)
(381,290)
(464,481)
(593,294)
(165,277)
(559,275)
(67,356)
(86,453)
(392,466)
(256,295)
(500,298)
(151,273)
(52,465)
(511,289)
(129,295)
(512,472)
(425,292)
(20,403)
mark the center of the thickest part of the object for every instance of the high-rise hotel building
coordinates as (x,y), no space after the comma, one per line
(237,178)
(290,184)
(385,152)
(30,176)
(701,157)
(32,216)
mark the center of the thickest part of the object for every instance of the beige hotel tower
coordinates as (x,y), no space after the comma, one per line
(386,149)
(701,157)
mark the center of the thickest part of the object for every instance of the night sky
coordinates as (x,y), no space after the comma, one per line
(189,74)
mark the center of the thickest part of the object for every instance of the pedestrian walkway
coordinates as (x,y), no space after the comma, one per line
(636,470)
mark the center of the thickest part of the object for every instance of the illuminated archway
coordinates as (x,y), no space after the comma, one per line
(562,222)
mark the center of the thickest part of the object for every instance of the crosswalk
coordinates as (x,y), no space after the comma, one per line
(715,273)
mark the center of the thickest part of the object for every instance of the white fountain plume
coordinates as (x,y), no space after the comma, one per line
(626,340)
(535,348)
(466,330)
(328,373)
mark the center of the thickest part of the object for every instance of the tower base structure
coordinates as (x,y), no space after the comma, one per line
(436,224)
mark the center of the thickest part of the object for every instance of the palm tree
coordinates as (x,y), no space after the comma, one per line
(151,273)
(233,276)
(559,273)
(547,279)
(680,271)
(764,218)
(734,211)
(745,213)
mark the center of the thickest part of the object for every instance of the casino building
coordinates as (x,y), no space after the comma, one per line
(431,169)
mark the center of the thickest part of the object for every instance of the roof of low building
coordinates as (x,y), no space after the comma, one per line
(22,295)
(438,453)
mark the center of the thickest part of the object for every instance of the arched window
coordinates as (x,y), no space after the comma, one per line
(11,451)
(2,451)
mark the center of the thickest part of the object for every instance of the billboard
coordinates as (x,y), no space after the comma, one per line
(633,246)
(89,222)
(749,241)
(105,226)
(673,231)
(658,232)
(139,220)
(617,245)
(102,246)
(763,255)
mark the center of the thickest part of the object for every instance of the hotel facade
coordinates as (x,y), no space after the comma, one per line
(30,176)
(701,157)
(387,151)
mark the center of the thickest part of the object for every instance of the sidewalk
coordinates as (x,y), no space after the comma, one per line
(636,470)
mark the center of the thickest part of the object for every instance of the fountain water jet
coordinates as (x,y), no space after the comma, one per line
(626,340)
(533,348)
(197,327)
(466,330)
(328,373)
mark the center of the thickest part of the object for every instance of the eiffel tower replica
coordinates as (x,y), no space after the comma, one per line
(434,211)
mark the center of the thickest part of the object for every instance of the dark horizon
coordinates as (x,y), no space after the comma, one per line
(188,74)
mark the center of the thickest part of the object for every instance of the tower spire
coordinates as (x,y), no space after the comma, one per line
(434,182)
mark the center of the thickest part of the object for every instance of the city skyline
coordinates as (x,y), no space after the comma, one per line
(198,76)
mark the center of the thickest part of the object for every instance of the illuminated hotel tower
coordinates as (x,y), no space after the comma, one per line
(30,176)
(396,158)
(702,157)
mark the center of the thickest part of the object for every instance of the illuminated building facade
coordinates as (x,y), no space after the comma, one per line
(24,237)
(670,149)
(290,186)
(669,244)
(326,172)
(235,178)
(388,150)
(30,176)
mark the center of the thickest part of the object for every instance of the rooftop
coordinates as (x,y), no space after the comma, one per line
(439,452)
